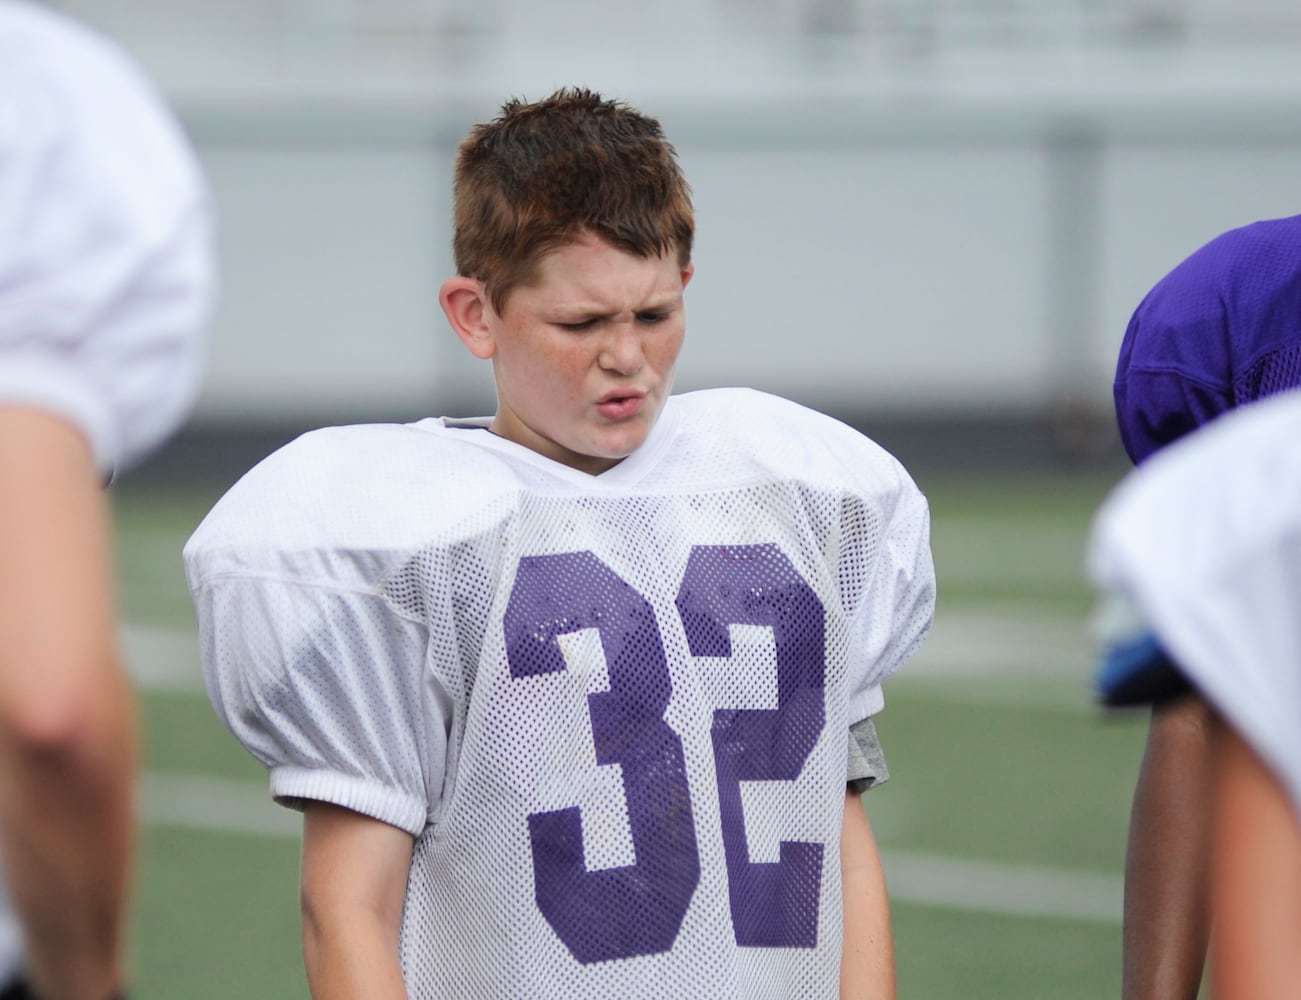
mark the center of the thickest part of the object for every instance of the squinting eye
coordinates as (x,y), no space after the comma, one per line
(654,317)
(586,324)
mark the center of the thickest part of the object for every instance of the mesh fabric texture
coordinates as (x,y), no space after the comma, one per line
(611,710)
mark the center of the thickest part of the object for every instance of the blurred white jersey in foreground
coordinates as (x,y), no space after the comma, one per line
(1198,558)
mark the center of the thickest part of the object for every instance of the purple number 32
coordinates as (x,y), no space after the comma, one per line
(638,909)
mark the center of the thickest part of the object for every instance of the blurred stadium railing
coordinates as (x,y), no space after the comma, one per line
(908,26)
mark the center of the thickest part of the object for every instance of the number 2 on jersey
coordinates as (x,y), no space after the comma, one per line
(638,909)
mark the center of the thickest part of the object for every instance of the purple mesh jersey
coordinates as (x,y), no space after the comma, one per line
(1222,329)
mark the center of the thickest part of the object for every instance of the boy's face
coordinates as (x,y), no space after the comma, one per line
(584,356)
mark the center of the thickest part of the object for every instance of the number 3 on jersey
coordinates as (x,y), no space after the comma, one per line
(638,909)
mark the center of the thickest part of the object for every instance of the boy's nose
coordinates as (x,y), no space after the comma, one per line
(622,350)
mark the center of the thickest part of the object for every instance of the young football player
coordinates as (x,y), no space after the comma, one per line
(105,282)
(1222,329)
(577,698)
(1199,558)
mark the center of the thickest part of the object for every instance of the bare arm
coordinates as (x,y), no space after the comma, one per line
(1167,909)
(867,965)
(67,736)
(354,883)
(1256,876)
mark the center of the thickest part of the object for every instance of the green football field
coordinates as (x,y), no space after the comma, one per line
(1003,826)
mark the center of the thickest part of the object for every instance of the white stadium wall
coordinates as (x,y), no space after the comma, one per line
(859,259)
(924,210)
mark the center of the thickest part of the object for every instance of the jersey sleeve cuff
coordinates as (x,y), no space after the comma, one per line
(293,786)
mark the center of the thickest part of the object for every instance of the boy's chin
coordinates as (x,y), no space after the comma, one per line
(617,449)
(599,456)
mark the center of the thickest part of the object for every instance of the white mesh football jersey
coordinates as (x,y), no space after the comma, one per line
(106,267)
(612,710)
(1202,546)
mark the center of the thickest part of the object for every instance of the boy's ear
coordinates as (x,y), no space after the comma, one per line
(465,302)
(687,272)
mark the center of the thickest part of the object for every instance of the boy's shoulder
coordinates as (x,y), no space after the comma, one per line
(795,440)
(362,487)
(743,413)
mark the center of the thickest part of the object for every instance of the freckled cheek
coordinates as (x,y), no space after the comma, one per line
(663,354)
(568,377)
(557,370)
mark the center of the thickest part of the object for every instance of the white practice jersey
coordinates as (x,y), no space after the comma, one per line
(105,256)
(612,710)
(1201,546)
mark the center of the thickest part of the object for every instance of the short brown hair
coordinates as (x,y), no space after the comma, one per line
(541,175)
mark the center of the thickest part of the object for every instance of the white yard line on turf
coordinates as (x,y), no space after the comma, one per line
(223,805)
(1003,889)
(970,642)
(978,641)
(216,805)
(162,659)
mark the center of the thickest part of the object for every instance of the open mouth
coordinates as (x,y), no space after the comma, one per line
(617,406)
